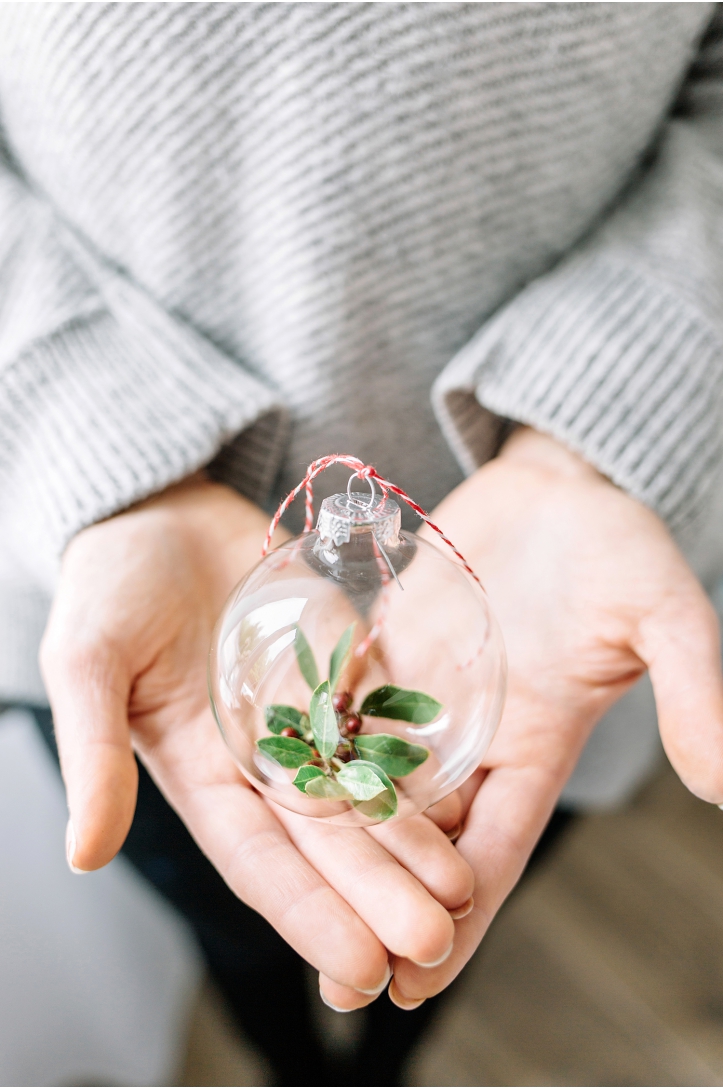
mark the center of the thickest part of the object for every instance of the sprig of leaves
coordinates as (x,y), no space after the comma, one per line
(332,764)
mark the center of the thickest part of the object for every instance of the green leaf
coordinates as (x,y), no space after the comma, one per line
(279,716)
(383,804)
(305,774)
(393,755)
(339,657)
(323,721)
(323,787)
(401,703)
(361,780)
(290,752)
(306,660)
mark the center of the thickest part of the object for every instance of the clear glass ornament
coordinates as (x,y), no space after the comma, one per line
(357,673)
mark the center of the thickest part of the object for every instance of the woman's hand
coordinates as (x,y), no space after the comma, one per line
(590,591)
(124,660)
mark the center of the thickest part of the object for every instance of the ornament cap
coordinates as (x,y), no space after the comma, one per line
(345,514)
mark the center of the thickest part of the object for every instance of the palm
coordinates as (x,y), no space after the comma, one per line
(168,710)
(568,593)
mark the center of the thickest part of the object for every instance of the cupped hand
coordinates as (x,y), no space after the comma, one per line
(124,660)
(590,591)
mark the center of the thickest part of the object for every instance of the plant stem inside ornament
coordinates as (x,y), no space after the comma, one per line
(336,761)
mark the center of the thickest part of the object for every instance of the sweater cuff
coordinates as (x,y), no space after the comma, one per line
(606,359)
(106,412)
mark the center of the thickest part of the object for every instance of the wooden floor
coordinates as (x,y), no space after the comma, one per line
(606,968)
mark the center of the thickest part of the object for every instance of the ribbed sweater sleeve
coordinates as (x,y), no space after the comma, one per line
(105,398)
(618,350)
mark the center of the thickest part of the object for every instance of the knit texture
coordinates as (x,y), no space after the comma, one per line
(245,235)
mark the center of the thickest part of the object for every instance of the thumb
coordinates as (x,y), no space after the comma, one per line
(680,644)
(88,693)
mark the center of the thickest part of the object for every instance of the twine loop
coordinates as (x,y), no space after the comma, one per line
(362,472)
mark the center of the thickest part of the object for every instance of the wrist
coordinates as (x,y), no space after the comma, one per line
(211,524)
(217,523)
(528,447)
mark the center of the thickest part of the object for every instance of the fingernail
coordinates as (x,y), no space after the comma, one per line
(454,833)
(70,848)
(401,1001)
(380,988)
(434,963)
(460,912)
(336,1009)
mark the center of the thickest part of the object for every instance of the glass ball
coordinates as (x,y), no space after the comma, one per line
(357,673)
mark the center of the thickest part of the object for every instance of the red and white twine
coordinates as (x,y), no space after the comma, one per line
(363,472)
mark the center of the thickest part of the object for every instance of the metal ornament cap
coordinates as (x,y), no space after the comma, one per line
(345,514)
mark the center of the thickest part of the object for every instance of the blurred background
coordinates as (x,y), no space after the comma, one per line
(604,968)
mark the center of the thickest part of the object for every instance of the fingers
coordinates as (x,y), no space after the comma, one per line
(502,827)
(241,836)
(89,696)
(427,853)
(392,902)
(680,643)
(450,813)
(344,999)
(447,814)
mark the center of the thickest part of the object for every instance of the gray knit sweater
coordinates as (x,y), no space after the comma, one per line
(247,235)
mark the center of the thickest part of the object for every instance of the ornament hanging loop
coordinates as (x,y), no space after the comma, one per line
(356,502)
(363,472)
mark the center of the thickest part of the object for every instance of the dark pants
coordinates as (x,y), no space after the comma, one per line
(262,979)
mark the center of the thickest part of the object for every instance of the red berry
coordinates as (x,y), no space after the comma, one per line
(343,752)
(288,731)
(351,724)
(341,701)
